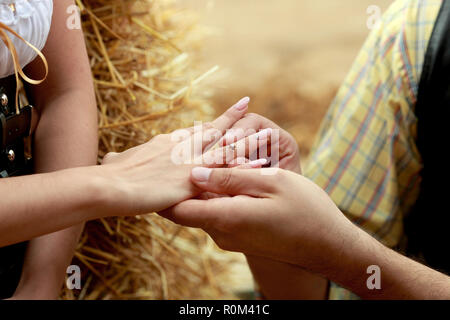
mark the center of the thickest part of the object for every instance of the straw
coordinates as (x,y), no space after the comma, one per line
(145,77)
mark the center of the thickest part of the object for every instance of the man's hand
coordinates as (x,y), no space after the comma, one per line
(283,216)
(278,280)
(286,217)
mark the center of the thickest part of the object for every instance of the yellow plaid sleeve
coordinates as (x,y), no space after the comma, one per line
(366,157)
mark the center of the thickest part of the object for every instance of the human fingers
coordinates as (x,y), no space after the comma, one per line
(233,181)
(232,115)
(286,147)
(252,147)
(248,125)
(212,132)
(244,163)
(216,213)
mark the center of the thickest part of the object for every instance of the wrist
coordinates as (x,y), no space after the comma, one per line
(113,192)
(94,192)
(333,250)
(348,259)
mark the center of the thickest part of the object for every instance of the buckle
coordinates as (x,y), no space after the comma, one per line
(17,126)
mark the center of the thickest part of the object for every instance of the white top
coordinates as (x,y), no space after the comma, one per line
(31,19)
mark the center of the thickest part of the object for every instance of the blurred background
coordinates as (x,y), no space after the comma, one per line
(289,56)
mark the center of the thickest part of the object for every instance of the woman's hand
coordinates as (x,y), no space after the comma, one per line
(289,155)
(283,216)
(144,179)
(151,177)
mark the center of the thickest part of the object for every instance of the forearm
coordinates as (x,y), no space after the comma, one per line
(75,145)
(45,203)
(45,264)
(279,280)
(401,277)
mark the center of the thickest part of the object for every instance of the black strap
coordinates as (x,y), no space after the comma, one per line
(12,128)
(427,225)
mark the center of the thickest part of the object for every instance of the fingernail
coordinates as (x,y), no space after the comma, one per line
(258,163)
(242,104)
(201,174)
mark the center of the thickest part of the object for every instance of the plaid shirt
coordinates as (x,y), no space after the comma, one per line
(366,156)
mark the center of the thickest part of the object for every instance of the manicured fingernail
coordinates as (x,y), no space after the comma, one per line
(201,174)
(242,104)
(258,163)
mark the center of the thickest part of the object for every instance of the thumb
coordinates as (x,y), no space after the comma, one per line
(235,181)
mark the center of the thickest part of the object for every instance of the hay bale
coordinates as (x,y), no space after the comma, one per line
(141,58)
